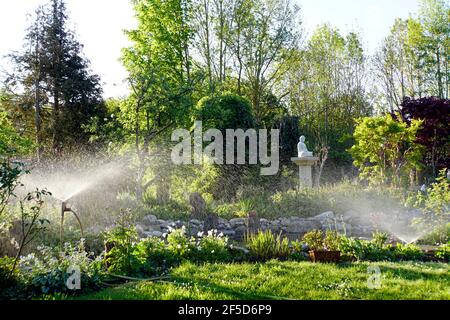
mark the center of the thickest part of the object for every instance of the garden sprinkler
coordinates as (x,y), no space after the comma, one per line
(65,208)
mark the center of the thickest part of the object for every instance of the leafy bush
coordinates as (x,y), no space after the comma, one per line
(434,202)
(153,256)
(179,244)
(408,252)
(319,240)
(265,246)
(10,284)
(385,149)
(157,259)
(331,241)
(298,253)
(314,240)
(378,250)
(212,247)
(122,253)
(444,252)
(47,271)
(440,234)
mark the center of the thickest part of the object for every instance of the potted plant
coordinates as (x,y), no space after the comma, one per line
(323,247)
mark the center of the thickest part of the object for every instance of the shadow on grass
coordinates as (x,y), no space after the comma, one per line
(233,293)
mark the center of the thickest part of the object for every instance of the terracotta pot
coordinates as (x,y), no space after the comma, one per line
(325,256)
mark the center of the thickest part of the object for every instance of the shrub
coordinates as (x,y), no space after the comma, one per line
(408,252)
(47,271)
(265,246)
(10,284)
(179,244)
(314,240)
(157,259)
(298,252)
(122,255)
(444,252)
(212,247)
(385,149)
(361,250)
(435,202)
(331,241)
(379,239)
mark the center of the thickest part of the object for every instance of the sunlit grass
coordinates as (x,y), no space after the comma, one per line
(290,280)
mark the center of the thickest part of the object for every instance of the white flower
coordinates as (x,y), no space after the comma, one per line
(200,234)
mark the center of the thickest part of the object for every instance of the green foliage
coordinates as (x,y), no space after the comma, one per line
(157,259)
(212,247)
(290,280)
(331,241)
(10,284)
(153,256)
(226,111)
(318,240)
(122,258)
(444,251)
(314,240)
(265,246)
(11,142)
(47,271)
(385,149)
(408,252)
(435,202)
(378,250)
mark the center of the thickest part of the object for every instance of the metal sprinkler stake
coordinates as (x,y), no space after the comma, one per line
(65,208)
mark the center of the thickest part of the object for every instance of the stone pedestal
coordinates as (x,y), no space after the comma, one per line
(305,170)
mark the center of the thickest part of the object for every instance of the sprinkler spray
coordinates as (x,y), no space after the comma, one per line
(65,208)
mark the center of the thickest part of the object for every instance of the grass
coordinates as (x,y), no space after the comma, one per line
(289,280)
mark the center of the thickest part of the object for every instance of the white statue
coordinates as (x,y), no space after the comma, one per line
(302,149)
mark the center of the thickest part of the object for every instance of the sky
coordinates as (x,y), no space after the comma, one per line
(99,25)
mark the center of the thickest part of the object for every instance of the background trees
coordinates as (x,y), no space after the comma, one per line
(385,149)
(55,81)
(326,90)
(413,59)
(187,53)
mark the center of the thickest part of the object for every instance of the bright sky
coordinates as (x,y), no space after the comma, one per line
(99,25)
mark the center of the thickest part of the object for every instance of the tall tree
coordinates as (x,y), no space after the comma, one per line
(53,72)
(413,60)
(327,90)
(158,64)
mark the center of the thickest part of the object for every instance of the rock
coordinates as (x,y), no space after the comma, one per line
(152,228)
(211,222)
(253,223)
(362,231)
(198,206)
(195,221)
(239,232)
(150,220)
(237,222)
(285,221)
(140,231)
(324,217)
(156,234)
(242,249)
(228,233)
(303,226)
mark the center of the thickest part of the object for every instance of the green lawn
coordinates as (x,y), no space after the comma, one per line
(289,280)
